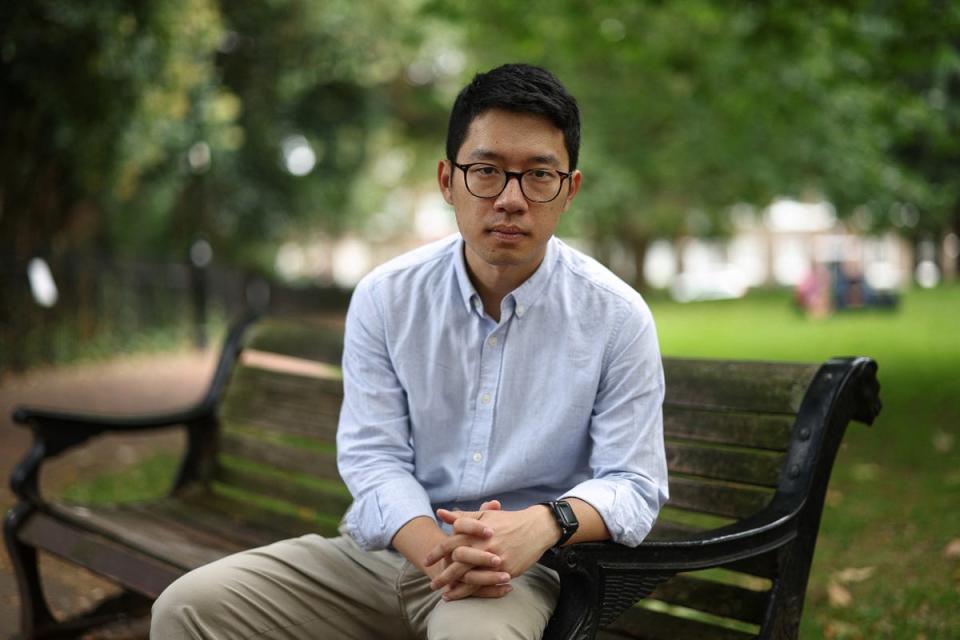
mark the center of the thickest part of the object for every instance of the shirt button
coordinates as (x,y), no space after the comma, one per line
(485,398)
(493,341)
(477,457)
(521,309)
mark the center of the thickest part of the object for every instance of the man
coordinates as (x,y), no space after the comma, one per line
(502,395)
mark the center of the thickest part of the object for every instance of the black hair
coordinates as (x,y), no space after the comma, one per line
(521,88)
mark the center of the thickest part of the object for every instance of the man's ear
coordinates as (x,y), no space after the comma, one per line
(573,186)
(445,179)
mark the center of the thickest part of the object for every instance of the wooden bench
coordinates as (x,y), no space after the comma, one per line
(750,447)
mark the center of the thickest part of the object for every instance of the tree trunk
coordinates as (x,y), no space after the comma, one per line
(637,243)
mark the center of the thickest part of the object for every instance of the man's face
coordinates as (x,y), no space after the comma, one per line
(507,234)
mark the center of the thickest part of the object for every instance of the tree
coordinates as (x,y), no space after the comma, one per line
(96,102)
(691,107)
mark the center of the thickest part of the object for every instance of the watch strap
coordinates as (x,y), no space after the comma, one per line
(565,517)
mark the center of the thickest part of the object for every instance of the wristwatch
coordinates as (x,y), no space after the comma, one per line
(565,517)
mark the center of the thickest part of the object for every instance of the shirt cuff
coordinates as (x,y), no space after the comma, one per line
(376,517)
(627,515)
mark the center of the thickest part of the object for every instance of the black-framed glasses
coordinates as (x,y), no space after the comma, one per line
(488,181)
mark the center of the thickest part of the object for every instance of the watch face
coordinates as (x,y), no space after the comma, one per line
(566,512)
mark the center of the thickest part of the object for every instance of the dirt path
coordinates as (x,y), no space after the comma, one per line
(131,384)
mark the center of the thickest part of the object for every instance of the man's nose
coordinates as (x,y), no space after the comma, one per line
(511,198)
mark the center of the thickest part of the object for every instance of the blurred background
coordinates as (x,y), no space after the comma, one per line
(727,146)
(780,179)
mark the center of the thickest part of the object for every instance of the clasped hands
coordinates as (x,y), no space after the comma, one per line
(488,548)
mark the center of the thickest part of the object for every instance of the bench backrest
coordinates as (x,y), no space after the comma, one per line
(278,421)
(727,426)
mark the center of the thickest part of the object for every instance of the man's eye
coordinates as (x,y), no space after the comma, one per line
(541,174)
(486,171)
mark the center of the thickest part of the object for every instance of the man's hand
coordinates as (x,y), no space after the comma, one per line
(477,571)
(416,538)
(512,541)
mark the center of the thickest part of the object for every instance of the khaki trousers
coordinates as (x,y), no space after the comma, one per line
(329,588)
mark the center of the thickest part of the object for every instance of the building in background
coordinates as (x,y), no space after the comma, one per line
(781,247)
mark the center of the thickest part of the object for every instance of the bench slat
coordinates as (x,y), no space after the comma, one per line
(762,566)
(118,562)
(274,523)
(287,457)
(766,387)
(298,405)
(316,498)
(669,530)
(180,545)
(722,499)
(642,624)
(313,338)
(212,522)
(724,600)
(755,467)
(761,431)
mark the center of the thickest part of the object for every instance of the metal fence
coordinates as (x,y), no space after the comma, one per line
(103,306)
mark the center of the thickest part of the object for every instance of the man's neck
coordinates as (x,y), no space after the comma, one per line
(493,283)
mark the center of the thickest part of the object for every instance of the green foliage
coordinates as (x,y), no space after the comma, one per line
(139,126)
(97,101)
(691,107)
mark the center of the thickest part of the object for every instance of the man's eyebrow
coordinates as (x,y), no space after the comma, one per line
(488,154)
(549,158)
(485,154)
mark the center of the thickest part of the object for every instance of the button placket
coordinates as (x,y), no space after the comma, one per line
(490,365)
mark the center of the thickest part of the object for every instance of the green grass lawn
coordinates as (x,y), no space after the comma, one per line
(881,569)
(894,502)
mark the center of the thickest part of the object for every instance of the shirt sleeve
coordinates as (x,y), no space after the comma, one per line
(374,452)
(627,459)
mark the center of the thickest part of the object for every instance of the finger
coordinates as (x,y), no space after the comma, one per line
(484,577)
(476,557)
(468,574)
(444,549)
(496,591)
(459,591)
(490,505)
(472,527)
(450,517)
(450,575)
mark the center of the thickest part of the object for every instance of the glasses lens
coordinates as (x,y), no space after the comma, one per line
(485,180)
(541,185)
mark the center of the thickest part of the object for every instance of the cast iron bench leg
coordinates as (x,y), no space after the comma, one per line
(35,615)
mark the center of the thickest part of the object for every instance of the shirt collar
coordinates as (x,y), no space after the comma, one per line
(523,296)
(467,291)
(527,293)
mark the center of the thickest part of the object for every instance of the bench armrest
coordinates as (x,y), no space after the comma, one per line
(600,580)
(66,424)
(55,432)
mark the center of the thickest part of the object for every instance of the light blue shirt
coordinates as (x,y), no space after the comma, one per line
(444,407)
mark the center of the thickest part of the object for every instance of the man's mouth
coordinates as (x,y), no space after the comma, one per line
(507,233)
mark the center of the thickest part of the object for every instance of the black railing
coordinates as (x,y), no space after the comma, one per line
(112,305)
